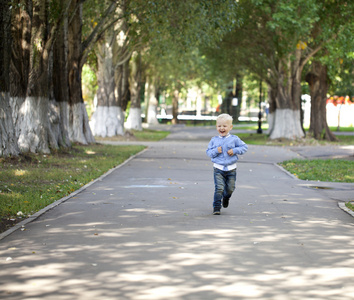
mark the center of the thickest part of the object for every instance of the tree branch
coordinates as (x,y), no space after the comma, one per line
(97,30)
(319,47)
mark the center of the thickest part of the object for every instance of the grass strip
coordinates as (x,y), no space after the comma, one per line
(136,135)
(150,135)
(329,170)
(350,205)
(263,139)
(30,182)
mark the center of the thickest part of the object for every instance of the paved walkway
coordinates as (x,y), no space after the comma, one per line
(146,231)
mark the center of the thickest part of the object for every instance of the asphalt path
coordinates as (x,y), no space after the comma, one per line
(146,231)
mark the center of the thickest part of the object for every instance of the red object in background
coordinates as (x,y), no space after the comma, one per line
(340,100)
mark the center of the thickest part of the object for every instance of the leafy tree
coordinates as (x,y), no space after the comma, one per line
(176,30)
(331,34)
(267,43)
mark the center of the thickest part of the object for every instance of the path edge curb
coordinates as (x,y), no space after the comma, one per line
(346,209)
(36,215)
(286,171)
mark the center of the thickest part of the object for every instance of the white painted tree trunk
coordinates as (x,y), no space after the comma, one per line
(152,113)
(8,139)
(59,123)
(286,124)
(270,118)
(134,119)
(79,128)
(152,104)
(16,104)
(107,121)
(121,119)
(33,125)
(64,109)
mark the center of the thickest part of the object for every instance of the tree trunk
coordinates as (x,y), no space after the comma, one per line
(272,94)
(8,140)
(33,121)
(20,58)
(287,118)
(106,122)
(122,85)
(60,107)
(122,92)
(318,82)
(296,91)
(134,118)
(238,94)
(152,101)
(79,128)
(175,100)
(227,102)
(21,45)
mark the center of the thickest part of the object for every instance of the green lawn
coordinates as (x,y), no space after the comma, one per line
(329,170)
(32,181)
(135,135)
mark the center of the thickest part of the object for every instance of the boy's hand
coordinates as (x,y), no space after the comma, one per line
(230,152)
(220,149)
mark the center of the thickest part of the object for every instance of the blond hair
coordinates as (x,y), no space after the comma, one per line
(225,117)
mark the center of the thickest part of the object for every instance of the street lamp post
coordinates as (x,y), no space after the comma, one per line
(259,130)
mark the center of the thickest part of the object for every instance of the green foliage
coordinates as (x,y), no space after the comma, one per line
(185,43)
(92,15)
(186,24)
(55,9)
(174,31)
(89,87)
(271,31)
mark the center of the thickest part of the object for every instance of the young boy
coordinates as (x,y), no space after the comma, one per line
(223,151)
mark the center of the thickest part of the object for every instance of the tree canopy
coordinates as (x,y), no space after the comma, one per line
(172,43)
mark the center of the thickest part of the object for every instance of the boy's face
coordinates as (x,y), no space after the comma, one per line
(223,127)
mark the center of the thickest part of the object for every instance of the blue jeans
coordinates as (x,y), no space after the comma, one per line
(225,182)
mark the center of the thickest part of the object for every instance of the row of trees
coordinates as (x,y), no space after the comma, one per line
(286,43)
(44,45)
(161,44)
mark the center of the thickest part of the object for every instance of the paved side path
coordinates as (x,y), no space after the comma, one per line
(146,231)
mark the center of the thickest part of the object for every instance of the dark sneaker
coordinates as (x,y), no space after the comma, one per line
(225,202)
(216,211)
